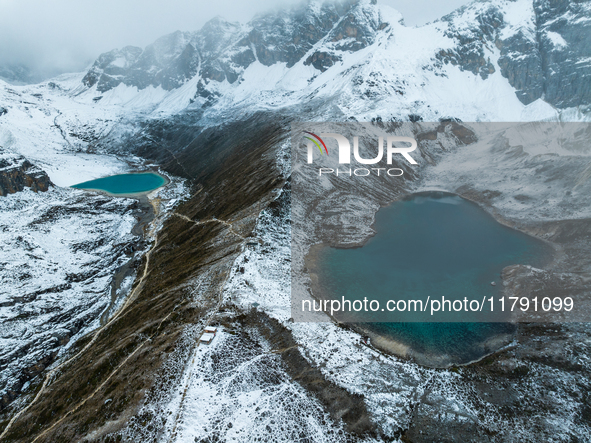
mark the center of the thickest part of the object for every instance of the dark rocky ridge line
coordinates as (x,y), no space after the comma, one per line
(252,333)
(122,364)
(221,50)
(534,64)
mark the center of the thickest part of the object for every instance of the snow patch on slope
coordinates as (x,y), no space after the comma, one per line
(556,39)
(58,252)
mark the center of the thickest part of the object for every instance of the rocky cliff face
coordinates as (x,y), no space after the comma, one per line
(17,173)
(541,47)
(220,51)
(564,42)
(545,50)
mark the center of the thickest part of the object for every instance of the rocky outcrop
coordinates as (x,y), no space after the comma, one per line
(110,67)
(322,60)
(17,173)
(521,64)
(543,50)
(564,28)
(469,54)
(220,51)
(547,54)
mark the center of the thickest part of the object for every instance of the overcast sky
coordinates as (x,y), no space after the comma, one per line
(67,35)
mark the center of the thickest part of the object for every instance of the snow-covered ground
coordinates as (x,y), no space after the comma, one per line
(243,393)
(229,395)
(60,249)
(50,129)
(539,170)
(58,253)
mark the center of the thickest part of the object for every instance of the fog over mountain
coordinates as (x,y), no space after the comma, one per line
(44,39)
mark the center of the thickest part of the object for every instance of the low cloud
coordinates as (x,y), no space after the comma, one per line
(57,36)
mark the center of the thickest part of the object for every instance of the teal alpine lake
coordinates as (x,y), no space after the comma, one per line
(429,246)
(125,184)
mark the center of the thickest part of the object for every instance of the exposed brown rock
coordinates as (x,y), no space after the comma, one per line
(17,173)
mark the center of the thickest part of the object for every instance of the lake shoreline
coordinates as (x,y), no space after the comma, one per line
(389,345)
(399,348)
(136,195)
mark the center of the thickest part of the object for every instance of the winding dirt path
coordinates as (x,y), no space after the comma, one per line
(132,296)
(209,319)
(210,220)
(52,372)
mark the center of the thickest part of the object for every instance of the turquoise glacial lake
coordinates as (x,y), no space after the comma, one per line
(124,184)
(429,246)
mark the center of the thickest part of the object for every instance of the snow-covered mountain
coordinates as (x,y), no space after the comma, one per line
(212,109)
(352,53)
(497,60)
(18,74)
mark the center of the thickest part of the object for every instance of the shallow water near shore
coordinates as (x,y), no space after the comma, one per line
(430,246)
(125,184)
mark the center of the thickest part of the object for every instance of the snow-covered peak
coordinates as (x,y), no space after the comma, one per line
(489,60)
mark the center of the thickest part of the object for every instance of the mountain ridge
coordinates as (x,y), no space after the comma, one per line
(534,44)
